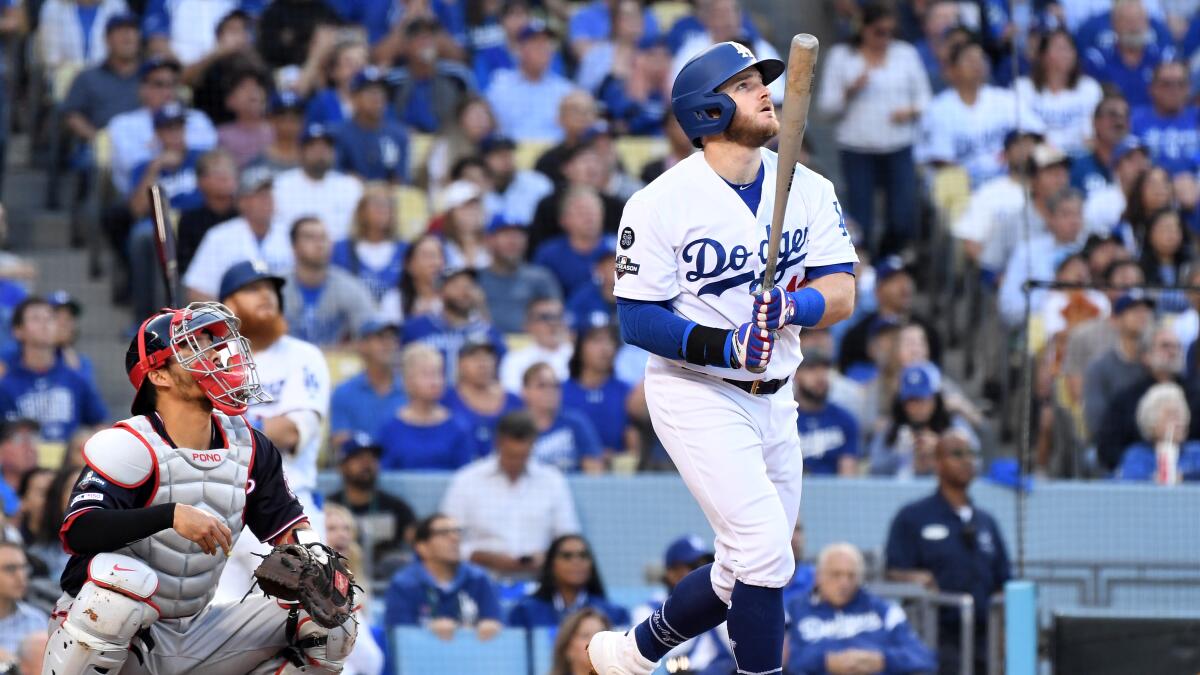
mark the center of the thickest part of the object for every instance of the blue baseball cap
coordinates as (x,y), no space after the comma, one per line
(61,298)
(918,381)
(171,114)
(245,273)
(686,550)
(1132,298)
(286,101)
(316,132)
(886,267)
(1127,145)
(535,27)
(499,222)
(375,326)
(122,20)
(357,444)
(369,76)
(495,142)
(155,63)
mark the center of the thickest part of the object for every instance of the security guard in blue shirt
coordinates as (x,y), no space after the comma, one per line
(946,542)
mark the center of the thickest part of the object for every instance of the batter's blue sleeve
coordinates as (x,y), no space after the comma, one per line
(825,270)
(653,327)
(271,507)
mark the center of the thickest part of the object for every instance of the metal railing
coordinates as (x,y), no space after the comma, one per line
(924,605)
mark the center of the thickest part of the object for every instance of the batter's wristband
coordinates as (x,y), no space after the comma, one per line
(705,346)
(810,307)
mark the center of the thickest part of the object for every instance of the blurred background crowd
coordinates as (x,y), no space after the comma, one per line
(432,189)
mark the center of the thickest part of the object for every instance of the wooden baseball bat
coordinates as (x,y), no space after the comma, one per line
(801,71)
(164,244)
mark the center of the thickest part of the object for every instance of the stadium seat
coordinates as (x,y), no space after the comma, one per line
(419,652)
(343,365)
(515,341)
(541,649)
(102,149)
(951,190)
(668,12)
(632,596)
(638,151)
(418,151)
(412,212)
(528,152)
(62,78)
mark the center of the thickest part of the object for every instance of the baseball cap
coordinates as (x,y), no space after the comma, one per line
(357,444)
(245,273)
(458,193)
(255,178)
(122,20)
(369,76)
(1046,156)
(535,27)
(61,298)
(495,143)
(476,344)
(375,326)
(449,274)
(686,550)
(316,132)
(816,358)
(10,427)
(156,62)
(918,381)
(649,42)
(1015,135)
(499,222)
(1132,298)
(286,101)
(1127,145)
(171,114)
(886,267)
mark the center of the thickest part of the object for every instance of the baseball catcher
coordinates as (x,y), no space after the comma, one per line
(157,508)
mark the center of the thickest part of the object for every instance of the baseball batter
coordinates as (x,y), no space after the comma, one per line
(692,249)
(157,509)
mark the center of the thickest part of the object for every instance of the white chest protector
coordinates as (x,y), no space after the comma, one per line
(215,480)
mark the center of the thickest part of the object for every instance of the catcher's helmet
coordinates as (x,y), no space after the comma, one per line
(702,111)
(213,352)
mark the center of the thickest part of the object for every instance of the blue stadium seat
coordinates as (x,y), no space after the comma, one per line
(420,652)
(541,646)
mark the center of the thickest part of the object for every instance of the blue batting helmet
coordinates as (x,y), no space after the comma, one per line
(702,111)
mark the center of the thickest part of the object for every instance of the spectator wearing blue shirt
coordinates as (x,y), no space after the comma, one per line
(566,439)
(39,386)
(829,434)
(569,581)
(423,434)
(1092,170)
(572,255)
(1129,62)
(439,590)
(478,399)
(371,145)
(594,391)
(593,24)
(689,26)
(1100,29)
(594,304)
(1168,125)
(376,393)
(526,98)
(940,29)
(638,98)
(457,323)
(427,90)
(495,44)
(842,628)
(945,541)
(333,102)
(373,252)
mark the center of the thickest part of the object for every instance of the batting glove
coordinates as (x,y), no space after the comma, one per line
(774,309)
(751,347)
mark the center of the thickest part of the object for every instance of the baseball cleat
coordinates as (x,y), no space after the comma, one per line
(613,653)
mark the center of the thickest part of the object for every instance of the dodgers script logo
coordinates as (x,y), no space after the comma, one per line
(711,260)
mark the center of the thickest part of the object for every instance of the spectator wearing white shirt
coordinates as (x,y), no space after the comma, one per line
(1049,174)
(1060,93)
(722,21)
(315,188)
(510,508)
(516,192)
(71,32)
(965,125)
(1106,205)
(187,29)
(462,226)
(1038,258)
(256,235)
(18,619)
(877,90)
(544,321)
(132,133)
(525,99)
(998,197)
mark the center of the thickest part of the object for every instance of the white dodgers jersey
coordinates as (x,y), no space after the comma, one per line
(688,238)
(296,376)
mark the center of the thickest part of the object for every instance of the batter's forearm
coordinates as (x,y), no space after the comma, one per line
(655,328)
(837,290)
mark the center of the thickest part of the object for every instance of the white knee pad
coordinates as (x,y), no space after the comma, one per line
(109,610)
(322,650)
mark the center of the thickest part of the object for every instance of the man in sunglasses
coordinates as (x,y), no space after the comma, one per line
(946,542)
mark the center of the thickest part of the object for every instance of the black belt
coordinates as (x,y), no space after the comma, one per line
(759,387)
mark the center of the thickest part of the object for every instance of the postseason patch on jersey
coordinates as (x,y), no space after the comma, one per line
(627,237)
(625,265)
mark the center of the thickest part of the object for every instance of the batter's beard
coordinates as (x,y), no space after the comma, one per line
(745,131)
(262,331)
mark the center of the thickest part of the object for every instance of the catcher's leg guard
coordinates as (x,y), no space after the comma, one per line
(314,648)
(110,609)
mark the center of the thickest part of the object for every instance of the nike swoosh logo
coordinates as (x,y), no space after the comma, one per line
(118,568)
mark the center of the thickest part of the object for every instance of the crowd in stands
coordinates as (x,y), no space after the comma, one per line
(439,185)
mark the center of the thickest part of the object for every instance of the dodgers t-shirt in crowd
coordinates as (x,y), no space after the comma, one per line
(1174,141)
(825,437)
(480,426)
(436,332)
(356,407)
(180,184)
(604,407)
(568,440)
(60,399)
(436,447)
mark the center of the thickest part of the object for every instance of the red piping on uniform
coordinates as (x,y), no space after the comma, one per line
(62,531)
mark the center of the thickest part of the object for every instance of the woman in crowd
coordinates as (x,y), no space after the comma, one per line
(593,391)
(424,435)
(33,490)
(569,656)
(462,226)
(473,122)
(46,544)
(876,89)
(418,291)
(566,439)
(569,581)
(1060,93)
(248,134)
(478,399)
(1166,252)
(372,252)
(341,533)
(337,67)
(919,415)
(1163,417)
(1150,193)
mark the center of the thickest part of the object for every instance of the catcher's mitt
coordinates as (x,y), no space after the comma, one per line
(313,575)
